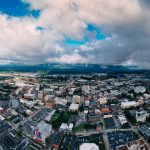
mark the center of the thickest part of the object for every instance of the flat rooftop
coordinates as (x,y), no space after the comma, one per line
(109,123)
(3,126)
(145,129)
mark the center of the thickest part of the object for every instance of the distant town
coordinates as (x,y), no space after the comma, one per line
(93,111)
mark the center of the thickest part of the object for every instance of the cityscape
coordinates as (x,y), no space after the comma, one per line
(96,111)
(74,74)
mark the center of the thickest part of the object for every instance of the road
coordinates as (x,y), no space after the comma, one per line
(71,83)
(104,132)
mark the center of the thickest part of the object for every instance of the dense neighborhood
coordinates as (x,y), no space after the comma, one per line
(71,112)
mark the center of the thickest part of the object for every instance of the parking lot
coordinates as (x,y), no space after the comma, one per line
(120,138)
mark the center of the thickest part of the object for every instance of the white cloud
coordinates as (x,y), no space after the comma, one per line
(126,20)
(20,40)
(74,58)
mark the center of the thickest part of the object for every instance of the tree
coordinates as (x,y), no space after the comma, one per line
(131,118)
(19,133)
(148,119)
(125,126)
(59,118)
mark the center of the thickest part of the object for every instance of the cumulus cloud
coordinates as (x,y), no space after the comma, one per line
(74,58)
(22,42)
(126,21)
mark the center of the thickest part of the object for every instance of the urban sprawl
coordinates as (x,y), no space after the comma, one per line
(74,112)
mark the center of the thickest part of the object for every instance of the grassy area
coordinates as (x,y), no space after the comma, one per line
(59,118)
(84,126)
(19,133)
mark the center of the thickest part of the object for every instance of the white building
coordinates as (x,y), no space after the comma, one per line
(129,104)
(70,92)
(141,116)
(122,119)
(48,118)
(60,101)
(102,101)
(76,99)
(61,88)
(18,90)
(49,97)
(29,112)
(14,112)
(88,146)
(64,126)
(70,127)
(22,101)
(74,107)
(147,96)
(49,91)
(29,96)
(92,90)
(30,104)
(87,103)
(86,89)
(40,95)
(2,118)
(42,131)
(140,89)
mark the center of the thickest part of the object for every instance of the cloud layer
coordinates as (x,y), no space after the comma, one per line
(41,39)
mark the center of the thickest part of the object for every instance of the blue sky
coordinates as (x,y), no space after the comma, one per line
(17,8)
(98,35)
(74,31)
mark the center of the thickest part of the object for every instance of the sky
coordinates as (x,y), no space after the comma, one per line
(115,32)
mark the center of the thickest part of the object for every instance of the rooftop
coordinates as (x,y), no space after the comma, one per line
(145,129)
(3,126)
(89,146)
(74,106)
